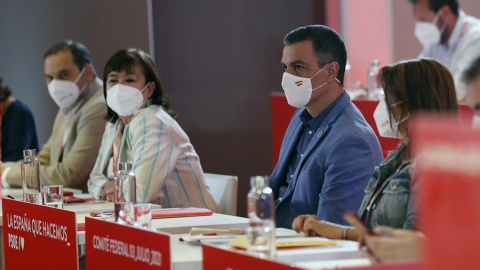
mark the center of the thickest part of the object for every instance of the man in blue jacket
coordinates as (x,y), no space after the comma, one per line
(329,151)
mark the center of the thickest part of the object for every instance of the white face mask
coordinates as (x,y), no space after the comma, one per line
(427,33)
(298,90)
(65,93)
(476,122)
(125,100)
(382,119)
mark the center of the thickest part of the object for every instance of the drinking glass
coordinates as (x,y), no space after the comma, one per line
(144,215)
(53,196)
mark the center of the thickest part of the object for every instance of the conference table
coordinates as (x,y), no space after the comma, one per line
(188,256)
(17,193)
(343,254)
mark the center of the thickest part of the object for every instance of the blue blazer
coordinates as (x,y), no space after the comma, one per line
(337,164)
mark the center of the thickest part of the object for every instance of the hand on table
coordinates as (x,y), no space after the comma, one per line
(393,245)
(312,226)
(106,193)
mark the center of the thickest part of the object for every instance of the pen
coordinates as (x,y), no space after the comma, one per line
(213,231)
(97,214)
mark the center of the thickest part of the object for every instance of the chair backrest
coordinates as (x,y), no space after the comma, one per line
(224,191)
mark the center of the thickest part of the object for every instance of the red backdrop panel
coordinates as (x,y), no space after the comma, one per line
(282,114)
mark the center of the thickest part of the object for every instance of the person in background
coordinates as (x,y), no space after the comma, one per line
(67,157)
(415,86)
(17,126)
(471,78)
(141,130)
(448,35)
(329,151)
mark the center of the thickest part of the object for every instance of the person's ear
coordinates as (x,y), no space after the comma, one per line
(445,12)
(89,72)
(332,70)
(151,89)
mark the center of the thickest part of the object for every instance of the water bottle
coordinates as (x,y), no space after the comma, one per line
(31,185)
(125,194)
(374,86)
(261,212)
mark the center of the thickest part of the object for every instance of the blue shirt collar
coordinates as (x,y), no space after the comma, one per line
(314,123)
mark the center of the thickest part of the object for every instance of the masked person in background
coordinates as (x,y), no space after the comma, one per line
(471,78)
(66,158)
(17,126)
(141,130)
(329,151)
(415,86)
(448,35)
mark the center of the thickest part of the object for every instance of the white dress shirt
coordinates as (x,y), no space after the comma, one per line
(462,47)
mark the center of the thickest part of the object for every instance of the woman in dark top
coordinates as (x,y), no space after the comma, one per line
(17,127)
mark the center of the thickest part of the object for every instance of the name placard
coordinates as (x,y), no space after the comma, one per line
(36,236)
(113,246)
(219,258)
(223,259)
(447,175)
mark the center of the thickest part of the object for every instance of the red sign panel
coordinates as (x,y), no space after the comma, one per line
(218,258)
(222,259)
(38,237)
(113,246)
(448,172)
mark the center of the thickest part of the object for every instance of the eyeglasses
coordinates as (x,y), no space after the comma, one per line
(395,104)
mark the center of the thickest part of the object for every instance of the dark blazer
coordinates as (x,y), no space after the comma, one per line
(336,166)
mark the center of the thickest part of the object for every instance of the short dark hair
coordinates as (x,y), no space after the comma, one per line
(125,60)
(5,92)
(327,44)
(436,5)
(472,72)
(81,55)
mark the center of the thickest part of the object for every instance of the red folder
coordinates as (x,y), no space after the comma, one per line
(72,199)
(166,213)
(180,212)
